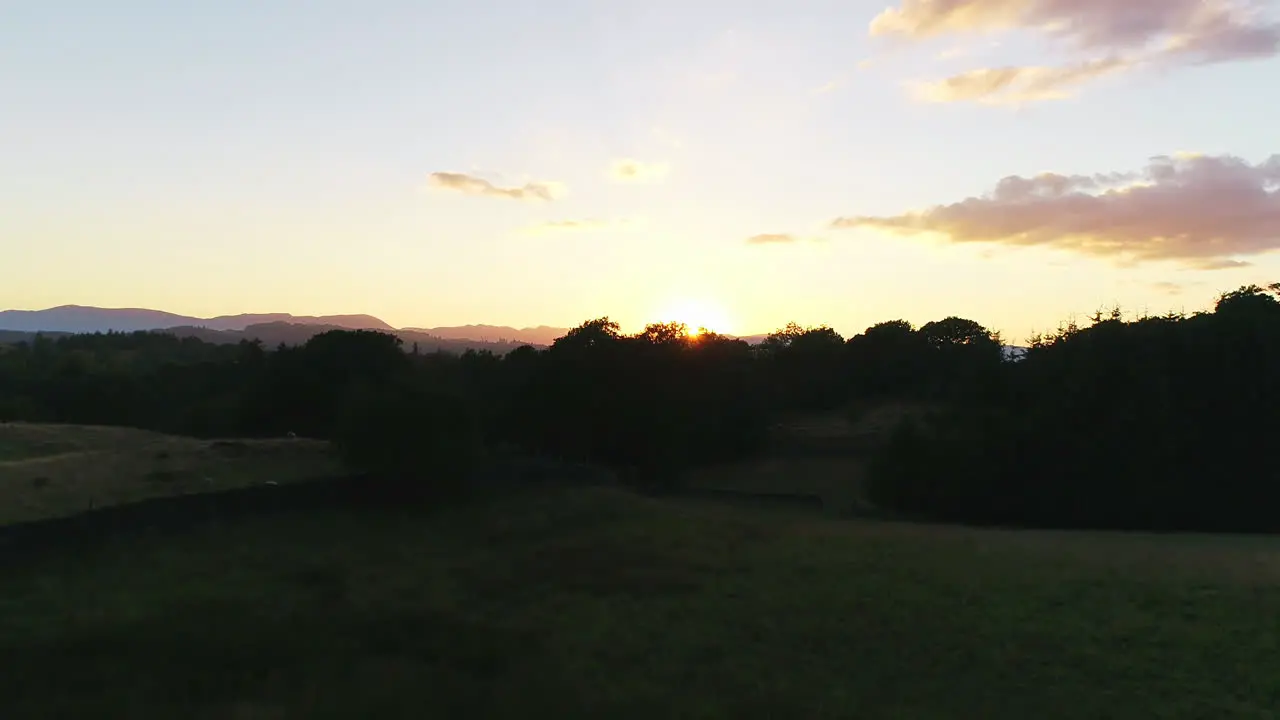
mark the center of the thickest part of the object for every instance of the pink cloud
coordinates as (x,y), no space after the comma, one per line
(1104,36)
(471,185)
(1197,209)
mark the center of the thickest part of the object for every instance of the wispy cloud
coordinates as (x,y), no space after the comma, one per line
(1005,85)
(582,225)
(1168,288)
(1102,37)
(772,239)
(1219,264)
(1201,210)
(635,171)
(472,185)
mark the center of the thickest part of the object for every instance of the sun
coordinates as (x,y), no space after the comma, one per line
(696,315)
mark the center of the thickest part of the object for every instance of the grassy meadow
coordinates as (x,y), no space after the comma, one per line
(817,456)
(599,603)
(49,471)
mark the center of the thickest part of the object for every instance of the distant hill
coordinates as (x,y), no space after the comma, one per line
(79,319)
(346,322)
(82,319)
(288,333)
(541,335)
(276,333)
(275,328)
(8,337)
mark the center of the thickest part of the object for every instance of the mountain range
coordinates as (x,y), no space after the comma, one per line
(276,328)
(270,328)
(81,319)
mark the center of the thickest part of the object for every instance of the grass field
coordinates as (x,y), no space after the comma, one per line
(57,470)
(597,603)
(822,456)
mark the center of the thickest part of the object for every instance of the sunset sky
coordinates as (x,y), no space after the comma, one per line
(739,164)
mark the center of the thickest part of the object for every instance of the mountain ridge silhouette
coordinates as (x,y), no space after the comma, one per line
(89,319)
(275,328)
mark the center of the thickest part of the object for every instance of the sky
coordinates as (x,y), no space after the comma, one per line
(737,165)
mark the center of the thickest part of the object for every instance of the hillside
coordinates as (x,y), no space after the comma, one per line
(276,333)
(8,337)
(273,334)
(276,328)
(271,328)
(51,471)
(541,335)
(82,319)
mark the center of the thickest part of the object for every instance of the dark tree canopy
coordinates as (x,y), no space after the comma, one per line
(1149,422)
(1156,422)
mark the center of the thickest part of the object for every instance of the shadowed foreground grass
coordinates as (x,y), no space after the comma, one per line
(593,603)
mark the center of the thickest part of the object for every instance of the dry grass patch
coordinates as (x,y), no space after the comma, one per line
(819,455)
(837,480)
(58,470)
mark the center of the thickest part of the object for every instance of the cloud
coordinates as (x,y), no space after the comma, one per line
(772,239)
(1220,264)
(635,171)
(1169,288)
(471,185)
(1216,30)
(583,225)
(1101,36)
(1200,210)
(1016,84)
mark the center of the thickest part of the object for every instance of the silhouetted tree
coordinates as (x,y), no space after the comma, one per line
(888,360)
(406,439)
(804,368)
(1157,423)
(1149,422)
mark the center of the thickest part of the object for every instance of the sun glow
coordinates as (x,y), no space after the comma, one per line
(697,315)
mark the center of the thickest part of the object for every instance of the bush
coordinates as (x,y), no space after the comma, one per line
(954,467)
(406,439)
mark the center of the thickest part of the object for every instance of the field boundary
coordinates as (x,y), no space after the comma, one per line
(174,513)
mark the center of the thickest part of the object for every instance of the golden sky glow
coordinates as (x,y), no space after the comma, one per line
(735,167)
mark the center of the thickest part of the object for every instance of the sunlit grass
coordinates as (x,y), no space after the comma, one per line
(49,470)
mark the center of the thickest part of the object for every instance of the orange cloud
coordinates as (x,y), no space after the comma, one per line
(471,185)
(1197,209)
(628,170)
(1104,36)
(930,18)
(1017,84)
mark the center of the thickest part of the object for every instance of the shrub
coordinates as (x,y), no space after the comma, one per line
(404,438)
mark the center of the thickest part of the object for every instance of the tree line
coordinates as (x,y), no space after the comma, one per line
(1163,423)
(1152,422)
